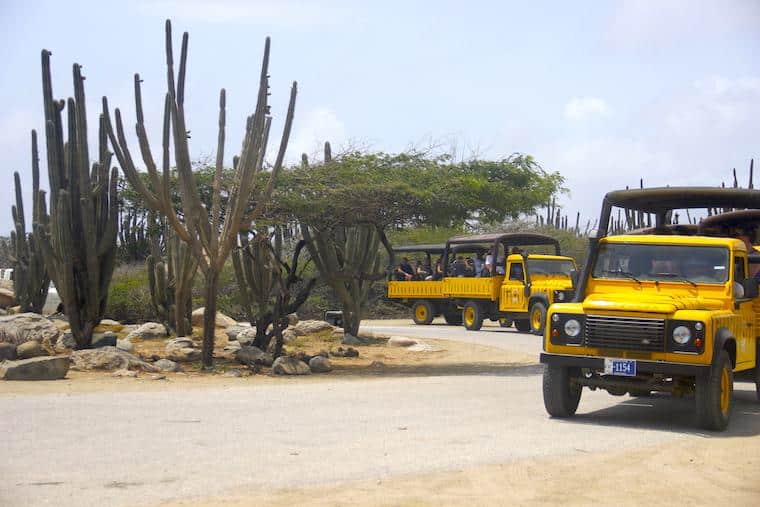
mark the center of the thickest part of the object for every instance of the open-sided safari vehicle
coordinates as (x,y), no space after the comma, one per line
(657,312)
(519,287)
(515,287)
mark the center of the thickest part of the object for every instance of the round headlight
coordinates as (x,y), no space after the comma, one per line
(699,326)
(555,317)
(572,328)
(560,296)
(681,335)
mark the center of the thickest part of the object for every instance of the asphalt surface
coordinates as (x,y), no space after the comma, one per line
(118,449)
(491,334)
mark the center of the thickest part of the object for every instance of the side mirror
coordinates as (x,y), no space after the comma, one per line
(750,287)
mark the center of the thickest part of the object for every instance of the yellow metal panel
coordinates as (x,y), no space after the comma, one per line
(415,290)
(475,288)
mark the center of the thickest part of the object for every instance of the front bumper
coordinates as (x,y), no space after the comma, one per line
(597,363)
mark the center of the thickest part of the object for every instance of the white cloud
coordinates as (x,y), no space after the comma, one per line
(580,108)
(312,129)
(260,12)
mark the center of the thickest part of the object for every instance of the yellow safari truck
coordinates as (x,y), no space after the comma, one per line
(661,312)
(515,287)
(424,296)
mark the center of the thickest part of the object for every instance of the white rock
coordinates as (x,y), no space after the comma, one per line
(24,327)
(221,319)
(148,331)
(401,341)
(125,345)
(305,327)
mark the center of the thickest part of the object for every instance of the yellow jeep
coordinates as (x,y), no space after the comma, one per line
(660,312)
(517,287)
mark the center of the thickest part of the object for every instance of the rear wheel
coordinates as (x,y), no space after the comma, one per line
(522,325)
(472,316)
(561,393)
(714,394)
(537,318)
(422,312)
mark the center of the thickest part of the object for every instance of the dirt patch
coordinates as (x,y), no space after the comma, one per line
(376,360)
(691,471)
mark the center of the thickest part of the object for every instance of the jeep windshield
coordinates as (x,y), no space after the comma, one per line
(550,267)
(673,263)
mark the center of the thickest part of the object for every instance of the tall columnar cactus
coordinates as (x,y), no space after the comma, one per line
(210,234)
(269,288)
(170,279)
(78,236)
(30,277)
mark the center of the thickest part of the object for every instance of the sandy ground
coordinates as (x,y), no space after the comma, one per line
(692,471)
(452,358)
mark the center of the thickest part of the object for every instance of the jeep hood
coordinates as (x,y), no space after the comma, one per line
(649,303)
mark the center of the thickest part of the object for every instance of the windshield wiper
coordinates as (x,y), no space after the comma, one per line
(677,277)
(624,273)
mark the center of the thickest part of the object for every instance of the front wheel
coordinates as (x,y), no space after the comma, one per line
(537,318)
(561,393)
(422,312)
(472,316)
(714,394)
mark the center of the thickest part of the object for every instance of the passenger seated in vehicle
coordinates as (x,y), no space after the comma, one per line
(500,265)
(749,236)
(438,270)
(469,267)
(478,262)
(421,271)
(459,268)
(404,271)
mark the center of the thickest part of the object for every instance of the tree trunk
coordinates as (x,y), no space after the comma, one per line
(351,316)
(209,317)
(180,312)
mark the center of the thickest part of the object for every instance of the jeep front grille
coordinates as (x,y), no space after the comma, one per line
(626,333)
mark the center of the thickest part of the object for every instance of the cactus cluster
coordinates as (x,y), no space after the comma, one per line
(269,288)
(77,237)
(30,277)
(170,279)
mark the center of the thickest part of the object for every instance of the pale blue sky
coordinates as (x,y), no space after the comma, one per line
(604,92)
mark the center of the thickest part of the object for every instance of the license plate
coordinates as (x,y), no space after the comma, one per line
(622,367)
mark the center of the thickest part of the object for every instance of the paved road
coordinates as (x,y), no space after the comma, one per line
(491,334)
(102,449)
(141,448)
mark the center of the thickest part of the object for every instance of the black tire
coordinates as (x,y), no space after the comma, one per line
(422,312)
(472,316)
(453,317)
(561,394)
(537,318)
(714,394)
(522,325)
(505,322)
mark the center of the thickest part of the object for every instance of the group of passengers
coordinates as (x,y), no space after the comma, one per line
(461,266)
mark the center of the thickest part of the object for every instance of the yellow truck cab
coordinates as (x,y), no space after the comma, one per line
(658,311)
(515,287)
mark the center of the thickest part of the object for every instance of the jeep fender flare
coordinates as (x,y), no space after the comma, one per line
(538,297)
(724,339)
